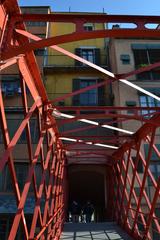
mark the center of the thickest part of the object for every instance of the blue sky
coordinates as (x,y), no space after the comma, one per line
(139,7)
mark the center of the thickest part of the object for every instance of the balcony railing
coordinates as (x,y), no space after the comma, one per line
(84,99)
(64,61)
(149,76)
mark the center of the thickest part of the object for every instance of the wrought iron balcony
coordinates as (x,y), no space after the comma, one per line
(62,63)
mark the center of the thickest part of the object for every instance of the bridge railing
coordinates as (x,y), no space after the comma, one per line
(137,185)
(32,175)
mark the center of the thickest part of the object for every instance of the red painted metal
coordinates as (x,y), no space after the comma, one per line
(123,178)
(140,30)
(100,18)
(54,159)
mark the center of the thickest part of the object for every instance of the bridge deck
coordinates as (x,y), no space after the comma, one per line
(94,231)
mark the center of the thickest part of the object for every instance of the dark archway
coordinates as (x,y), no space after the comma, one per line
(88,185)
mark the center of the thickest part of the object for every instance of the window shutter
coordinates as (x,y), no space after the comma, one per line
(101,94)
(78,53)
(75,87)
(97,56)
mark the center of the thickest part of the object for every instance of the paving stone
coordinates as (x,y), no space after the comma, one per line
(93,231)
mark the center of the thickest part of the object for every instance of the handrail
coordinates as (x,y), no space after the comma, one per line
(143,213)
(49,222)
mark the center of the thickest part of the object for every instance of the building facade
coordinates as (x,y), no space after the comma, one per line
(127,55)
(11,85)
(64,75)
(88,175)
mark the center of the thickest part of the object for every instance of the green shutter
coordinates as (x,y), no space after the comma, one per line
(97,56)
(78,53)
(101,94)
(75,87)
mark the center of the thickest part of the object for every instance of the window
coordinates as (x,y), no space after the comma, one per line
(155,169)
(39,52)
(14,125)
(91,97)
(147,101)
(9,88)
(10,85)
(154,228)
(125,59)
(88,27)
(154,162)
(154,156)
(34,130)
(145,54)
(21,170)
(140,165)
(6,221)
(90,54)
(5,180)
(21,173)
(5,226)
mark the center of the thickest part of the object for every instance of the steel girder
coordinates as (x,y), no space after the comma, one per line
(48,219)
(124,175)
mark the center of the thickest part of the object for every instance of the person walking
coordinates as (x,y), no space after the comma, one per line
(88,211)
(75,211)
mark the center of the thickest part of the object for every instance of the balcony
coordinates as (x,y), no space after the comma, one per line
(153,75)
(90,98)
(61,63)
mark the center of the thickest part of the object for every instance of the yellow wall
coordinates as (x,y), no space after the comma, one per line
(66,28)
(60,83)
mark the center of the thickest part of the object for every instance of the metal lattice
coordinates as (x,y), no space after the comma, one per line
(127,188)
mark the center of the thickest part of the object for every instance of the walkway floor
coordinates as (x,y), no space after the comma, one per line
(93,231)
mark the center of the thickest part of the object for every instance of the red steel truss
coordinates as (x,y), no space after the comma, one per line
(125,203)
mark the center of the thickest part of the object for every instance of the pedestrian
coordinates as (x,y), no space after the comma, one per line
(75,211)
(88,211)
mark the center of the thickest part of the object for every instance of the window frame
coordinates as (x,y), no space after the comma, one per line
(88,93)
(148,101)
(88,54)
(156,173)
(94,56)
(100,91)
(88,27)
(147,50)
